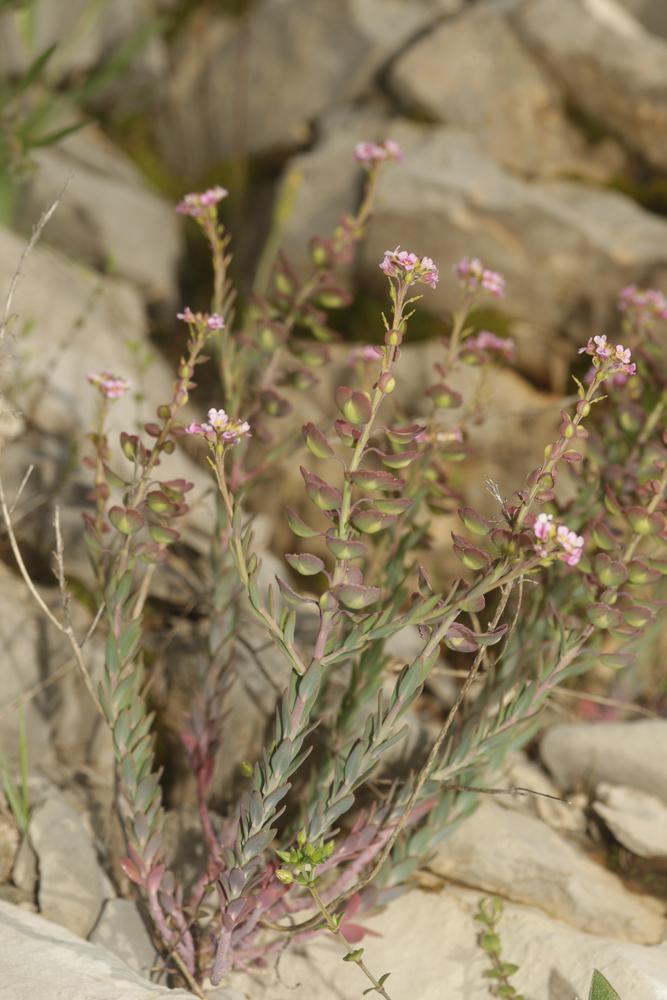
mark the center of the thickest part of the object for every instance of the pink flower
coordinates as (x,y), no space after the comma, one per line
(393,150)
(111,386)
(571,543)
(558,541)
(371,153)
(608,360)
(196,204)
(643,304)
(543,527)
(220,428)
(202,320)
(489,342)
(473,275)
(409,268)
(364,355)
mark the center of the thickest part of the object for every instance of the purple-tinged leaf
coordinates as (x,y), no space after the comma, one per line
(370,520)
(369,480)
(356,597)
(320,493)
(345,548)
(299,526)
(444,397)
(316,442)
(474,522)
(354,405)
(127,520)
(399,460)
(305,563)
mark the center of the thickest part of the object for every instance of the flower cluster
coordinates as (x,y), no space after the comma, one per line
(220,429)
(109,385)
(491,344)
(197,204)
(204,321)
(642,304)
(370,153)
(472,274)
(409,267)
(569,545)
(366,355)
(610,359)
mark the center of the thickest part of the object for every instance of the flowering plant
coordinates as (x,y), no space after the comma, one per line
(311,842)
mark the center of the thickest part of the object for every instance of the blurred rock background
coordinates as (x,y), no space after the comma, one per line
(535,137)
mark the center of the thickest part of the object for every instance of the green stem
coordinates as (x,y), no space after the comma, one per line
(334,927)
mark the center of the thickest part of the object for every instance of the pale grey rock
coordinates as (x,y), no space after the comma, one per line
(28,653)
(327,181)
(429,945)
(314,57)
(519,857)
(651,13)
(83,41)
(449,200)
(70,321)
(24,872)
(9,840)
(564,815)
(109,218)
(636,819)
(39,959)
(121,930)
(611,67)
(71,884)
(622,753)
(473,73)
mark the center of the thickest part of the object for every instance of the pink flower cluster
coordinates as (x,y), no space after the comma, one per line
(569,545)
(202,320)
(197,204)
(111,386)
(366,355)
(371,153)
(490,343)
(644,304)
(409,268)
(611,360)
(473,275)
(220,429)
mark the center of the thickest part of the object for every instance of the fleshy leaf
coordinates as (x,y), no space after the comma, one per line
(356,597)
(305,563)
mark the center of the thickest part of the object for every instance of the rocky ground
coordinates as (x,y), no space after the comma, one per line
(535,136)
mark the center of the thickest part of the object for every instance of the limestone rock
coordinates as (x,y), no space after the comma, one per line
(449,200)
(612,68)
(429,945)
(40,959)
(71,883)
(327,180)
(473,73)
(636,819)
(24,872)
(29,651)
(315,57)
(651,13)
(9,840)
(82,41)
(69,322)
(121,930)
(621,753)
(566,816)
(519,857)
(108,218)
